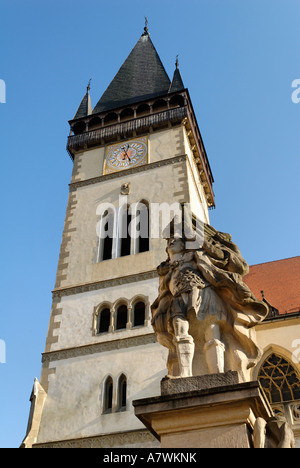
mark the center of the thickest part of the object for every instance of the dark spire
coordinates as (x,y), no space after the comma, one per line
(142,76)
(177,83)
(85,107)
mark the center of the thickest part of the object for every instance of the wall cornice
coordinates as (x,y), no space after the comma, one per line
(115,175)
(94,286)
(114,440)
(96,348)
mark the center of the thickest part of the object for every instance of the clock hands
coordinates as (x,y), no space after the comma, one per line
(124,155)
(125,149)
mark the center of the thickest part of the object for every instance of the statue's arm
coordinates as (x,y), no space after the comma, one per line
(163,269)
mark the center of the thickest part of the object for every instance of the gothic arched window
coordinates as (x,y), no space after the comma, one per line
(139,314)
(106,235)
(108,395)
(104,320)
(121,321)
(122,393)
(142,212)
(279,379)
(125,219)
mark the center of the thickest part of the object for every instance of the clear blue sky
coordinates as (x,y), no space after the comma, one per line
(238,59)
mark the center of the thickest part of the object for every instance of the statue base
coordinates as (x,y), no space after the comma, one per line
(211,411)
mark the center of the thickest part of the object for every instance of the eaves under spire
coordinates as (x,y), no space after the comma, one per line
(142,76)
(85,107)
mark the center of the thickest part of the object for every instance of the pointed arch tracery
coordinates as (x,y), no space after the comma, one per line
(279,379)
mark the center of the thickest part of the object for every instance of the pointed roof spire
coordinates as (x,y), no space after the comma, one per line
(142,76)
(85,107)
(177,82)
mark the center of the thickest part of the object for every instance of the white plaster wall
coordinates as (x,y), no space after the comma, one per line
(198,207)
(91,163)
(282,336)
(164,184)
(164,144)
(76,319)
(197,194)
(74,402)
(156,186)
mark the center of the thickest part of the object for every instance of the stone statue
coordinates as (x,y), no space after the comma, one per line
(204,313)
(274,433)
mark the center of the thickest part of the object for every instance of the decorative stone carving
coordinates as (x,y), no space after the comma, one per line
(125,188)
(205,313)
(274,433)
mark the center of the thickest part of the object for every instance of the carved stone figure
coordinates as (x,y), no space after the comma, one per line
(125,188)
(205,313)
(274,433)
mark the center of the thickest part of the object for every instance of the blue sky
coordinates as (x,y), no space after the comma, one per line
(237,58)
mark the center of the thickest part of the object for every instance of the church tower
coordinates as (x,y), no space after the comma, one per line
(139,147)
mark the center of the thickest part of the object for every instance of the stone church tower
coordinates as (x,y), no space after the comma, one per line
(140,145)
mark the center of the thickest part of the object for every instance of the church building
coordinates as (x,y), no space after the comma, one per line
(139,147)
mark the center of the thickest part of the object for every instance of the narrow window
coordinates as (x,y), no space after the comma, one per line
(125,235)
(106,236)
(122,393)
(108,396)
(121,317)
(104,321)
(139,314)
(143,227)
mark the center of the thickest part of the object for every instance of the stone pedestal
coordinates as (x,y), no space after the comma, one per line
(213,411)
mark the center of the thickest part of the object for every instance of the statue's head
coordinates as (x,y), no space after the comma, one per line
(175,245)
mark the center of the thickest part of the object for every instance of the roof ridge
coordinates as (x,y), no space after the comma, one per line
(275,261)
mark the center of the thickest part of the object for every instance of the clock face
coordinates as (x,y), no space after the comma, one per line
(125,155)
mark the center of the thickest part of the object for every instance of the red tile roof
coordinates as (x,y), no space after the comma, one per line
(280,282)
